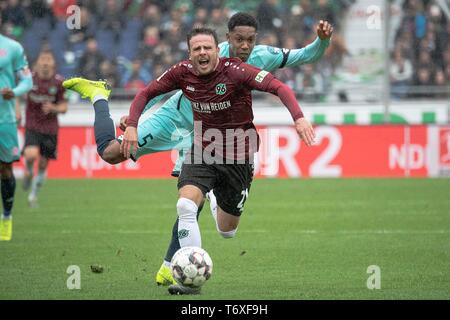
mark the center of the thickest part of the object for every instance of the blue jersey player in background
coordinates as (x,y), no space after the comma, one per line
(13,65)
(170,127)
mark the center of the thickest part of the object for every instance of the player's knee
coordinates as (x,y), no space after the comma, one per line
(111,156)
(187,209)
(31,153)
(6,170)
(227,234)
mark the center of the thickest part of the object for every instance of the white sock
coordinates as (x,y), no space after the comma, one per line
(166,263)
(188,229)
(227,234)
(213,207)
(38,180)
(98,97)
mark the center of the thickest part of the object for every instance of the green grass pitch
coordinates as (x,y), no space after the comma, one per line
(298,239)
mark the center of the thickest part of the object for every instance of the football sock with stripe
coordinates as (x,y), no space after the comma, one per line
(174,242)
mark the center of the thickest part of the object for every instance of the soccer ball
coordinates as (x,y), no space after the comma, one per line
(191,266)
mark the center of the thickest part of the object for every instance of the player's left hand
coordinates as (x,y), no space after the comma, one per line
(7,93)
(305,131)
(129,144)
(324,30)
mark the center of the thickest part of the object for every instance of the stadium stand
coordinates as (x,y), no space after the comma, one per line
(149,32)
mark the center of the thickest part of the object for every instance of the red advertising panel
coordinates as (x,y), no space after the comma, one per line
(444,147)
(340,151)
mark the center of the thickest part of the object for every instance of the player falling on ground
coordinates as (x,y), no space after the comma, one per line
(44,102)
(13,64)
(225,138)
(167,130)
(220,92)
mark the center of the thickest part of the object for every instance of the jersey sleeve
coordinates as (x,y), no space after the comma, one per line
(252,77)
(168,81)
(19,60)
(270,58)
(20,66)
(276,58)
(309,54)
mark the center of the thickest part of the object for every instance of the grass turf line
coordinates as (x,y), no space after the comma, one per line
(298,239)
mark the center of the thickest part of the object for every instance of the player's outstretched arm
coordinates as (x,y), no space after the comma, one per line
(287,96)
(315,50)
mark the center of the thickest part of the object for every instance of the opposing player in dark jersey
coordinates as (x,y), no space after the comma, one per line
(44,102)
(225,138)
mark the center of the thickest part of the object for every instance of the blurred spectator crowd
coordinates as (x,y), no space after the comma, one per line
(131,42)
(420,63)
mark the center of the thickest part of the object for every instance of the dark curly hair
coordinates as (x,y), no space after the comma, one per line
(242,19)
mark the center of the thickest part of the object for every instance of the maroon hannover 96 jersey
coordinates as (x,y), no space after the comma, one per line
(221,100)
(43,91)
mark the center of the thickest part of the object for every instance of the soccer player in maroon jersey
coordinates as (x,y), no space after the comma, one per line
(225,137)
(44,102)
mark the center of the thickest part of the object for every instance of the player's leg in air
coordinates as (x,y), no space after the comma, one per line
(98,92)
(157,133)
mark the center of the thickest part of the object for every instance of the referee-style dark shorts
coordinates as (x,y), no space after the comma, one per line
(46,142)
(231,183)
